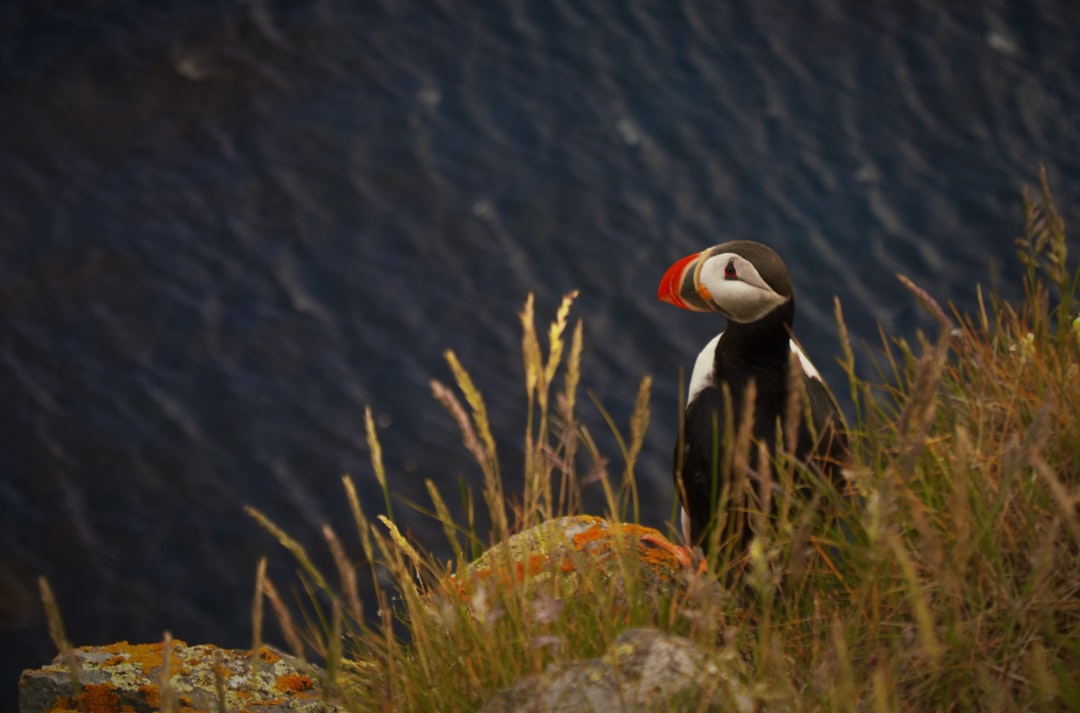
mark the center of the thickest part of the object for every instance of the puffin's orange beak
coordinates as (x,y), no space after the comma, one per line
(679,285)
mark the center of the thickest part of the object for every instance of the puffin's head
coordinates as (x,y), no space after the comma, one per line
(741,280)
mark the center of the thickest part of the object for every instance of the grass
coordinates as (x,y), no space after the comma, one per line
(945,578)
(950,580)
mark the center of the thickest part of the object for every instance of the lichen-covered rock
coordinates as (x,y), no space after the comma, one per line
(126,678)
(643,670)
(574,550)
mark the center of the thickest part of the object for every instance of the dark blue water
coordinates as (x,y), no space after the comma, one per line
(227,227)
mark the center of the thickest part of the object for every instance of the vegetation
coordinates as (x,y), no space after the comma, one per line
(948,578)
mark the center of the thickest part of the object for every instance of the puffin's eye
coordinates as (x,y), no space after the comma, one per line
(729,271)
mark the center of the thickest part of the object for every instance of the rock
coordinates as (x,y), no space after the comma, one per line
(571,554)
(560,548)
(642,670)
(125,678)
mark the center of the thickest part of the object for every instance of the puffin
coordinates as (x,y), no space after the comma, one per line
(748,283)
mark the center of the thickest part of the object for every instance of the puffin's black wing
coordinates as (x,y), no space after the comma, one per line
(699,477)
(825,444)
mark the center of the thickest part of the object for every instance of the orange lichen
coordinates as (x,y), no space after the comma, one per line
(591,534)
(566,549)
(538,564)
(654,552)
(148,656)
(95,698)
(134,671)
(220,670)
(152,694)
(295,683)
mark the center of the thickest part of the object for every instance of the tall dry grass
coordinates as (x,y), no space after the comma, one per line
(946,577)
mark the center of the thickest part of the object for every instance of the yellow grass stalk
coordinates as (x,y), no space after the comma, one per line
(573,368)
(639,425)
(219,682)
(450,402)
(169,702)
(493,486)
(530,349)
(334,652)
(58,635)
(925,625)
(363,527)
(376,457)
(447,521)
(407,549)
(257,616)
(285,620)
(346,573)
(291,545)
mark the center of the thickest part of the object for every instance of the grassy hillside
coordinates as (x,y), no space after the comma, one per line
(946,578)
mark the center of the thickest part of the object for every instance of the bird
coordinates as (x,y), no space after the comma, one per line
(748,283)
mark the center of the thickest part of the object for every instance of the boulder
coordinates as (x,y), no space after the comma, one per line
(642,670)
(571,554)
(126,678)
(561,548)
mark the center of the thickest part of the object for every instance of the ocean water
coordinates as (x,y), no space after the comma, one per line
(226,228)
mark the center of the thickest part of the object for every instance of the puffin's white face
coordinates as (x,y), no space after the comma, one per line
(732,284)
